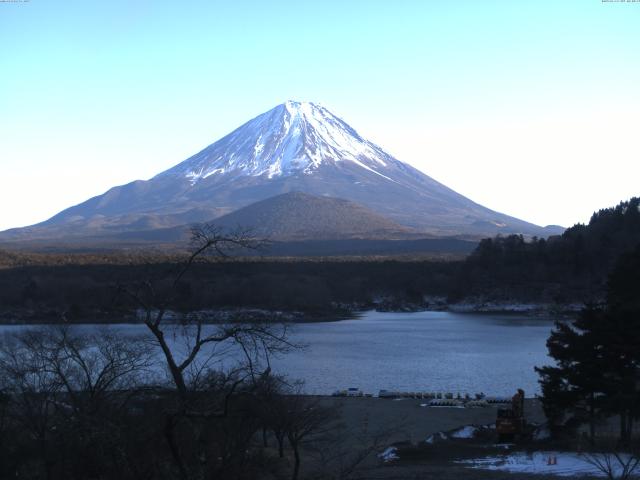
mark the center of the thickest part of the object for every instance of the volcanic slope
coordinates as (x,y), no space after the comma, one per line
(295,147)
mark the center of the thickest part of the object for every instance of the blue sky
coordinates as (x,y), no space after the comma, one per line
(528,107)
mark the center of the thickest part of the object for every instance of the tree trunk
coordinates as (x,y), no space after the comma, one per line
(46,463)
(592,420)
(280,439)
(265,444)
(296,465)
(176,373)
(623,428)
(175,451)
(627,429)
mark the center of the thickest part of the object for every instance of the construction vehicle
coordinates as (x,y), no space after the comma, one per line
(510,422)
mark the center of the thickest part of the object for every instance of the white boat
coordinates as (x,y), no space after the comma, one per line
(354,392)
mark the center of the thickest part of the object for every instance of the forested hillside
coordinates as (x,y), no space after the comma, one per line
(570,267)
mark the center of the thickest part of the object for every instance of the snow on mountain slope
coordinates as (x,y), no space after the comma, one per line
(293,137)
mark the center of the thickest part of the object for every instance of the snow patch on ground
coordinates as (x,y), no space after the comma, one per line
(567,464)
(541,433)
(431,439)
(468,431)
(389,455)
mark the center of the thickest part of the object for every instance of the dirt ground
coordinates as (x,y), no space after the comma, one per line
(408,424)
(407,421)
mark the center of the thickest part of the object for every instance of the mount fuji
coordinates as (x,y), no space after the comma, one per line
(294,147)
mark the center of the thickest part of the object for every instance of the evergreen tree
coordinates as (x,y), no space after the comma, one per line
(573,389)
(597,357)
(623,342)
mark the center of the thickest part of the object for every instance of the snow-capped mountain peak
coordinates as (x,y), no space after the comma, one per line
(295,147)
(292,138)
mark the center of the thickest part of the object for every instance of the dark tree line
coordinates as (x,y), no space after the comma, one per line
(597,371)
(569,268)
(85,292)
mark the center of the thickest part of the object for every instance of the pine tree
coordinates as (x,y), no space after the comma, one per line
(623,342)
(597,357)
(573,389)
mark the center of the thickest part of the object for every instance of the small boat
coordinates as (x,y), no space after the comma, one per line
(354,392)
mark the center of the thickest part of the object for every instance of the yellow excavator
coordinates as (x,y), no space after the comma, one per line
(510,422)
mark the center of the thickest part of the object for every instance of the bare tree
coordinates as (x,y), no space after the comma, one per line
(32,393)
(304,420)
(272,411)
(350,454)
(614,464)
(255,339)
(193,347)
(5,442)
(65,390)
(93,369)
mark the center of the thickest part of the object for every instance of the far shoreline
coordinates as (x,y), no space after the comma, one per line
(248,315)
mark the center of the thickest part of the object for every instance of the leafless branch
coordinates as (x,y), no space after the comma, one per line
(615,465)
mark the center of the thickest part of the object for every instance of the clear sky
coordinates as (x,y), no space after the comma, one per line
(531,108)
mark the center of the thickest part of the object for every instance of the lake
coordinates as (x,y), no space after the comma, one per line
(423,351)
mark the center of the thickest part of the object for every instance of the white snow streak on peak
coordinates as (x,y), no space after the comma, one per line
(295,137)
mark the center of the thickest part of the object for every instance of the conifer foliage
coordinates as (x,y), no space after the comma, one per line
(597,356)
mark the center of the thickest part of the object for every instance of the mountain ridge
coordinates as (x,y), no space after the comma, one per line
(300,216)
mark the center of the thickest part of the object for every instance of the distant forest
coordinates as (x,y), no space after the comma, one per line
(571,268)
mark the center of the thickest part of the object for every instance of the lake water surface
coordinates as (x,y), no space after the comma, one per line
(424,351)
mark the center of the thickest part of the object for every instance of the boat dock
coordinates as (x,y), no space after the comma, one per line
(444,399)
